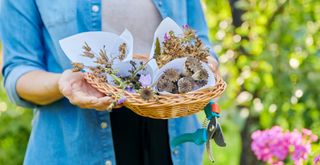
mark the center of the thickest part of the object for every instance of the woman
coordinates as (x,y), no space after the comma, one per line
(71,125)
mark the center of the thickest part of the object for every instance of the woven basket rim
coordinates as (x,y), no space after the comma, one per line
(167,105)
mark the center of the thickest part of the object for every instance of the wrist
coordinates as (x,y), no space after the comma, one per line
(51,87)
(39,87)
(55,89)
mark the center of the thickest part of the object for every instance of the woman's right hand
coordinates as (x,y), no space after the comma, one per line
(74,87)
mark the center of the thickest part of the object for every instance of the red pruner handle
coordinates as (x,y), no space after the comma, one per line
(215,108)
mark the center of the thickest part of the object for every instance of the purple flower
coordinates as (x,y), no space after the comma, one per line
(121,100)
(130,89)
(186,26)
(166,37)
(145,80)
(316,160)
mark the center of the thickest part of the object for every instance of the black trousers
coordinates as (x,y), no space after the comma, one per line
(139,140)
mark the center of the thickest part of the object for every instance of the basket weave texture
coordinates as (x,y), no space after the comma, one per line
(166,106)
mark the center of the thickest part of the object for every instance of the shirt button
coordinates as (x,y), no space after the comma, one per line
(95,8)
(175,152)
(160,3)
(103,125)
(108,162)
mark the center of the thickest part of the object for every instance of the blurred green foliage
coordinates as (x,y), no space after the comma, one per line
(15,126)
(270,62)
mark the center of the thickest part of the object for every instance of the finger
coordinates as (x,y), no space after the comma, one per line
(103,103)
(118,106)
(80,103)
(213,64)
(212,60)
(214,69)
(82,100)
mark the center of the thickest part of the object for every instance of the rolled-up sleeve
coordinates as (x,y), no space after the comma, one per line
(197,21)
(21,36)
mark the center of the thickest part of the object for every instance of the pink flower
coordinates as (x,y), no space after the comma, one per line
(275,145)
(269,145)
(306,132)
(302,145)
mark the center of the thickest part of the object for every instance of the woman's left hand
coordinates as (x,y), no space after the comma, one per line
(213,64)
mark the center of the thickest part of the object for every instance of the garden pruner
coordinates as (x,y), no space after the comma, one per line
(211,130)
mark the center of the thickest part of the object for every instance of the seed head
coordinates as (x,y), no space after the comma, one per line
(165,85)
(201,74)
(193,64)
(171,75)
(185,85)
(146,93)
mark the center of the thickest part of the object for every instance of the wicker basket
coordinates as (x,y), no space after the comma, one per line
(166,106)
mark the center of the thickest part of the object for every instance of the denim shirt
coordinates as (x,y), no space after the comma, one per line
(62,133)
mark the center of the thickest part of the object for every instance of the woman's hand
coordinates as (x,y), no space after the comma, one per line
(213,64)
(74,87)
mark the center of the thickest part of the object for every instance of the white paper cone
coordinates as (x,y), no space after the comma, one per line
(164,27)
(72,46)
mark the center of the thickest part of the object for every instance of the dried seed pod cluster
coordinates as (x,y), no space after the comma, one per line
(177,46)
(134,82)
(194,76)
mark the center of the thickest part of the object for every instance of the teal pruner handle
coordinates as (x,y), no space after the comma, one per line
(198,137)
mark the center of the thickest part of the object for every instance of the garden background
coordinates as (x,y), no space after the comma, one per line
(270,57)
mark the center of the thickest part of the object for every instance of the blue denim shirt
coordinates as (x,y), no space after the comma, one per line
(63,133)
